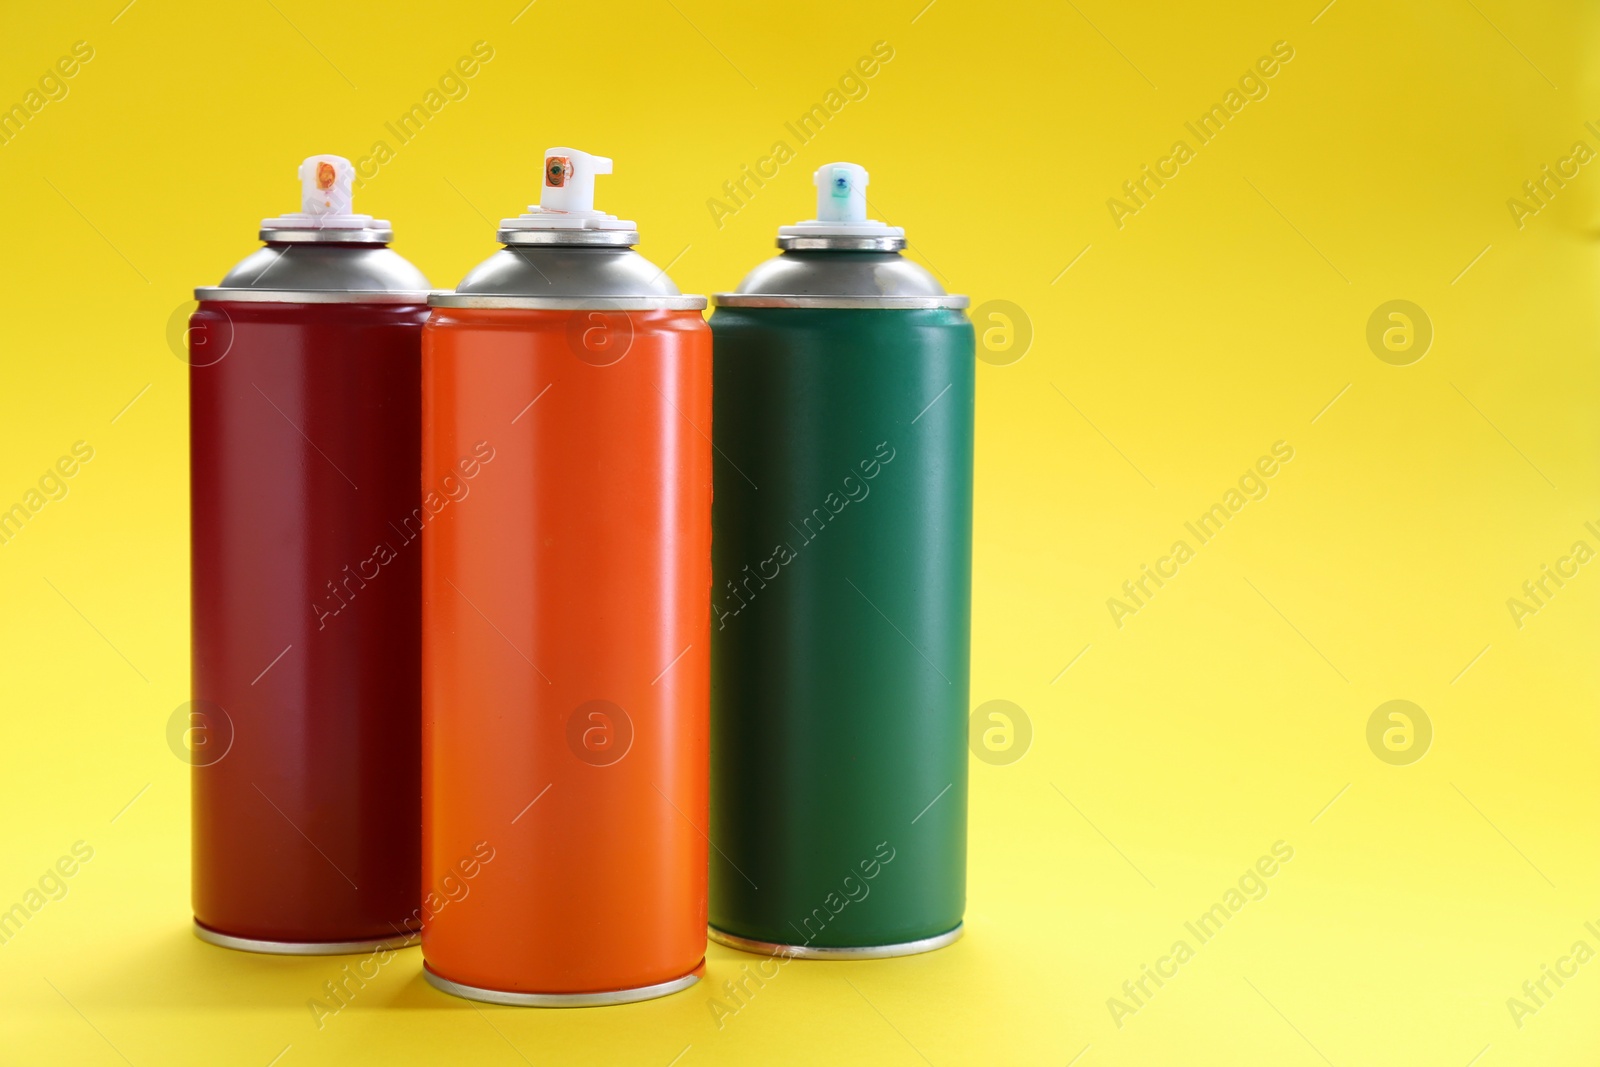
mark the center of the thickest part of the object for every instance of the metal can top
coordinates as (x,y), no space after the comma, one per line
(840,279)
(568,277)
(562,254)
(324,253)
(841,259)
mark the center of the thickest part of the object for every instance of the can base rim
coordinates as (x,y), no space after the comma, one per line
(560,1000)
(820,952)
(302,948)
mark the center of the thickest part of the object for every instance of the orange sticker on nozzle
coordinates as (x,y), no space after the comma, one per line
(326,176)
(557,169)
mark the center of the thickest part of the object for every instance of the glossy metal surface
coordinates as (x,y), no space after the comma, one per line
(842,600)
(311,296)
(903,303)
(566,646)
(812,952)
(379,233)
(559,1000)
(565,272)
(347,273)
(305,583)
(571,303)
(840,279)
(568,237)
(839,242)
(302,948)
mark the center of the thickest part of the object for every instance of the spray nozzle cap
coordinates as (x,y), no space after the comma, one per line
(327,186)
(569,180)
(841,221)
(566,204)
(327,191)
(841,192)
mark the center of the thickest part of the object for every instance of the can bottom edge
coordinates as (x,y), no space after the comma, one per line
(406,939)
(821,952)
(561,1000)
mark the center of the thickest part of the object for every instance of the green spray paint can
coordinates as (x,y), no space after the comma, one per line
(842,573)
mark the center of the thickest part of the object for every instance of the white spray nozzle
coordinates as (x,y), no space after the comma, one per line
(841,192)
(327,185)
(566,197)
(326,191)
(569,180)
(841,213)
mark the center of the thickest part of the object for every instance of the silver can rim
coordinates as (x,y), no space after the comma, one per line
(368,236)
(313,296)
(302,948)
(841,243)
(489,302)
(559,1000)
(604,238)
(903,303)
(818,952)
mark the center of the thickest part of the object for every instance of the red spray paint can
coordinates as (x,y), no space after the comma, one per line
(304,414)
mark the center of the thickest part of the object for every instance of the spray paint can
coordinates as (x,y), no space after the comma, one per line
(842,594)
(565,615)
(303,417)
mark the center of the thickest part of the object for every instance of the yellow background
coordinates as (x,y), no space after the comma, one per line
(1224,316)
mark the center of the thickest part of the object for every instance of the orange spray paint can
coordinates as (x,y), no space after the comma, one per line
(566,462)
